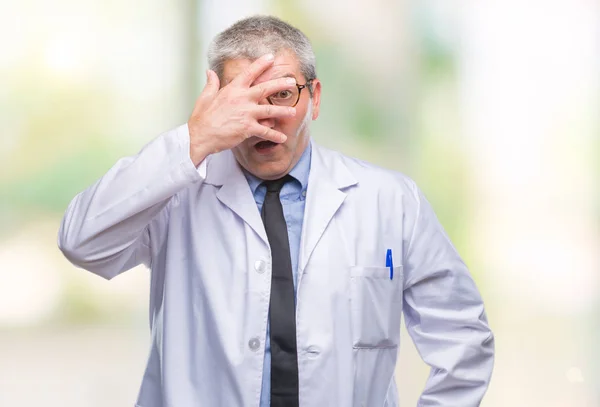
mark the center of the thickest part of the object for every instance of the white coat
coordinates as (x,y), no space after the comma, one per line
(200,232)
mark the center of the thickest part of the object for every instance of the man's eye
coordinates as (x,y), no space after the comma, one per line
(284,94)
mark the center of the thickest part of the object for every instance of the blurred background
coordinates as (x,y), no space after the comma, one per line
(491,106)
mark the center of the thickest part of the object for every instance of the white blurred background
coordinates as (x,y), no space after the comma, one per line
(491,106)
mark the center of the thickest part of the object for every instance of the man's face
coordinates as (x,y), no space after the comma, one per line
(266,160)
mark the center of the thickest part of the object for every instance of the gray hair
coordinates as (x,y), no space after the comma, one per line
(255,36)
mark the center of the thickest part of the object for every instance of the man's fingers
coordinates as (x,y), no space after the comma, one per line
(267,133)
(253,71)
(270,111)
(264,89)
(212,84)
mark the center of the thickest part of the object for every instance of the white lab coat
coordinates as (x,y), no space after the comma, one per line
(200,232)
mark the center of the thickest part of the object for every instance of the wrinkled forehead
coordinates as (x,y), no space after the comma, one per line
(285,65)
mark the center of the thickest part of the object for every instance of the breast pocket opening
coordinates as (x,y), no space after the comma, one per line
(376,306)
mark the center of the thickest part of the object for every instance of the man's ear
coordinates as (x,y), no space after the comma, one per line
(316,98)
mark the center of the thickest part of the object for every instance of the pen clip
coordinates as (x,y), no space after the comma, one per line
(389,262)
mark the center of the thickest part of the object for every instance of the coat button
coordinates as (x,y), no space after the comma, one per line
(260,266)
(254,344)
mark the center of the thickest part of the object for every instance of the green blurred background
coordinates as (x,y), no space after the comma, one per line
(492,107)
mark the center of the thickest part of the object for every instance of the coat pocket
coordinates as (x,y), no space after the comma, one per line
(376,306)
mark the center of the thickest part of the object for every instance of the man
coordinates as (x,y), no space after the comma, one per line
(279,269)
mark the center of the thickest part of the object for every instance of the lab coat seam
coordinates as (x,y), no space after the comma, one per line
(413,233)
(263,334)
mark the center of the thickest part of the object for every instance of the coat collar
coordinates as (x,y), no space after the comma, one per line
(327,183)
(328,178)
(222,168)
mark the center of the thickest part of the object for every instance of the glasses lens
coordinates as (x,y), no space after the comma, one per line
(287,97)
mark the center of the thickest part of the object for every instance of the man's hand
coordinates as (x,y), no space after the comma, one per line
(223,118)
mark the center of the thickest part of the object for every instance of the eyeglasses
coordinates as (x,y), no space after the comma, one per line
(288,97)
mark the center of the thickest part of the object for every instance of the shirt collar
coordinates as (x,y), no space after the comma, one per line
(300,171)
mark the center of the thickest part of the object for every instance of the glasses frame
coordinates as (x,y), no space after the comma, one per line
(300,87)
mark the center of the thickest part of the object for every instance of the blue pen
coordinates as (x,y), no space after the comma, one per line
(389,262)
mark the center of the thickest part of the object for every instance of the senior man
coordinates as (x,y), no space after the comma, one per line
(279,269)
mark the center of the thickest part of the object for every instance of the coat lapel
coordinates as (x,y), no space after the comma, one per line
(328,177)
(224,171)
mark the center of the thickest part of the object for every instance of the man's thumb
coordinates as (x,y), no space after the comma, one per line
(212,83)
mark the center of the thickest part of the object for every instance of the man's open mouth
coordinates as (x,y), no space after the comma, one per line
(264,145)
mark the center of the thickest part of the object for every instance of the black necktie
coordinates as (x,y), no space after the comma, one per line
(282,310)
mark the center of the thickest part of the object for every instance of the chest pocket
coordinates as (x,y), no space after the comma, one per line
(376,306)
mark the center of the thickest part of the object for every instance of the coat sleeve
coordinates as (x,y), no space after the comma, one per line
(444,313)
(106,227)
